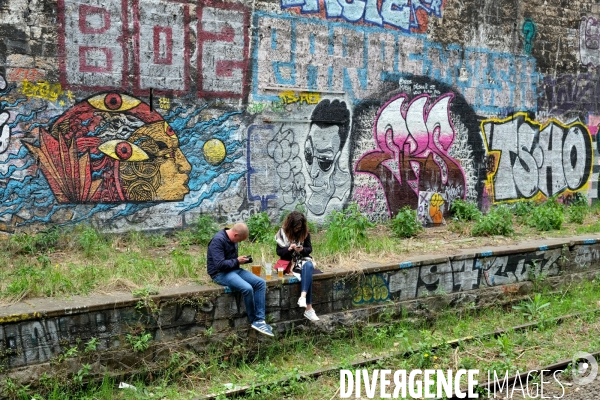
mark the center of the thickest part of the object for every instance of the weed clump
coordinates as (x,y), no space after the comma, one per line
(260,228)
(405,224)
(497,222)
(204,229)
(547,216)
(25,243)
(346,229)
(578,209)
(465,210)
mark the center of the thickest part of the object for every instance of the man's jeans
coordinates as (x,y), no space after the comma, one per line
(252,287)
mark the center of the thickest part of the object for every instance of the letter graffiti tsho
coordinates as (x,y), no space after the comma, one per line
(533,158)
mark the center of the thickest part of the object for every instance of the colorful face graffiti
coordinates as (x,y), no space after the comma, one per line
(112,148)
(326,138)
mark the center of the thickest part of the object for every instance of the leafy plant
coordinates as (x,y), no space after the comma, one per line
(405,224)
(90,240)
(577,213)
(204,229)
(465,210)
(91,345)
(79,377)
(140,342)
(506,345)
(532,308)
(547,216)
(346,229)
(523,209)
(497,222)
(260,228)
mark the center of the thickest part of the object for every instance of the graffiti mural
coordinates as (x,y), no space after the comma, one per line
(409,160)
(95,38)
(566,93)
(307,158)
(5,129)
(528,158)
(290,51)
(113,158)
(112,148)
(371,289)
(418,160)
(589,42)
(401,14)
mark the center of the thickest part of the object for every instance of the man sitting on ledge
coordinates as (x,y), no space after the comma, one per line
(223,265)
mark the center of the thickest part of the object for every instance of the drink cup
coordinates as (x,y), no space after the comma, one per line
(268,270)
(256,269)
(280,272)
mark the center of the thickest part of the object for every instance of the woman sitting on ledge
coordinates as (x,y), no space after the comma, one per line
(293,244)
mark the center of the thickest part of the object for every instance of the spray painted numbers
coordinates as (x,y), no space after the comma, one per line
(96,40)
(532,158)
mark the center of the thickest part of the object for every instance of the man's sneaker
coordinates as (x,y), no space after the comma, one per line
(263,328)
(311,314)
(302,302)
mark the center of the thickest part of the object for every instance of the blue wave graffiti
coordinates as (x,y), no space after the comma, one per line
(34,193)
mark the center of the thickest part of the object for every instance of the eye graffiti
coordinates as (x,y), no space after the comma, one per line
(324,163)
(112,148)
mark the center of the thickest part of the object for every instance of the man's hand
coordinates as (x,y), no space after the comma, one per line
(243,259)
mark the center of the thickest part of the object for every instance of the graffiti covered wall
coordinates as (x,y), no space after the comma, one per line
(143,114)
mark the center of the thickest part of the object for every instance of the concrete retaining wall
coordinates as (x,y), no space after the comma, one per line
(34,334)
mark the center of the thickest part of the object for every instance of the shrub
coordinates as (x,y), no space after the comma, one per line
(497,222)
(547,216)
(465,210)
(523,209)
(577,214)
(260,228)
(405,224)
(204,229)
(346,229)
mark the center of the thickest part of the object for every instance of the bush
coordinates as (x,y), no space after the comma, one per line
(497,222)
(465,210)
(547,216)
(577,214)
(260,228)
(346,229)
(405,224)
(523,209)
(578,209)
(204,229)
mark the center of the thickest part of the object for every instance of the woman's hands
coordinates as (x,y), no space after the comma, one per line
(295,247)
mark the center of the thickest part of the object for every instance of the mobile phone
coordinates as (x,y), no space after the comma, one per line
(249,258)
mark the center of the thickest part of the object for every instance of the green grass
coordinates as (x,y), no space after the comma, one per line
(80,259)
(227,363)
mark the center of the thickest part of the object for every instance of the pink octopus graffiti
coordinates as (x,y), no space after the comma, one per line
(413,139)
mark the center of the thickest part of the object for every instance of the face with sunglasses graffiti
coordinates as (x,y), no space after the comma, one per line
(322,150)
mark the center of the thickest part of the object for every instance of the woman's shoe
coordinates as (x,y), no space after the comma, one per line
(302,302)
(311,315)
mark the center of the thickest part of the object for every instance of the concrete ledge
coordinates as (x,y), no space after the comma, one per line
(36,332)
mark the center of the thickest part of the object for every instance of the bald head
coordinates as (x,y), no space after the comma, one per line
(238,232)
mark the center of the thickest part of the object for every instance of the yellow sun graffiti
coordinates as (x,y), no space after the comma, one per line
(214,151)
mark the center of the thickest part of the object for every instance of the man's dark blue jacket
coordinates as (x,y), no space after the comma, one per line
(222,254)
